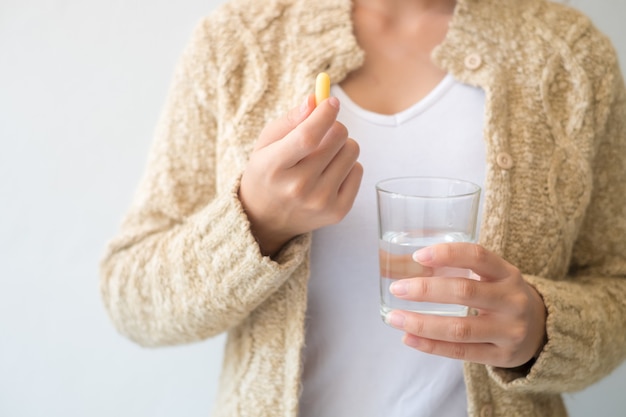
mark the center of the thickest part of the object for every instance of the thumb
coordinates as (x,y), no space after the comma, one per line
(279,128)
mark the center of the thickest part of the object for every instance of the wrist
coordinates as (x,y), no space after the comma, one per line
(268,244)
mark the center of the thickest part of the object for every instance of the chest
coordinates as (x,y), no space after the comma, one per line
(397,70)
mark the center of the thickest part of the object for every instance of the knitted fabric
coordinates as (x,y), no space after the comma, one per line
(185,267)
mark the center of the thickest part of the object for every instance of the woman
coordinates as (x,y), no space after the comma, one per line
(239,189)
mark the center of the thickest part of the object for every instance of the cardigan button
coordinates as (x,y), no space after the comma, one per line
(504,160)
(486,411)
(473,61)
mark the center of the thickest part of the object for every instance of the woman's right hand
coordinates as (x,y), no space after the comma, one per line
(303,174)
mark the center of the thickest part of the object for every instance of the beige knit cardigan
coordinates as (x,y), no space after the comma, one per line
(184,266)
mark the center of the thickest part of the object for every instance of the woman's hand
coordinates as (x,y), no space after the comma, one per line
(302,175)
(509,328)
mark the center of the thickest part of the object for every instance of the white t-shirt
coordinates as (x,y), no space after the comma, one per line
(354,364)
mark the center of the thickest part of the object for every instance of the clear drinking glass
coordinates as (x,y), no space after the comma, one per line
(415,212)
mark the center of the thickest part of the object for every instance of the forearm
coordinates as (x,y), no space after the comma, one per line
(586,335)
(586,325)
(192,280)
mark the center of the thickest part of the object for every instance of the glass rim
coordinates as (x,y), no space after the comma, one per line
(474,188)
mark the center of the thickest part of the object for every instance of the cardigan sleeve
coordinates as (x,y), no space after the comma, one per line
(184,265)
(586,321)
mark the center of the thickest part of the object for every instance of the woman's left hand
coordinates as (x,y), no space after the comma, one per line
(509,328)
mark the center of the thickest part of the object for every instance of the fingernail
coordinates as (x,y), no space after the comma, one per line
(333,101)
(398,288)
(423,255)
(395,319)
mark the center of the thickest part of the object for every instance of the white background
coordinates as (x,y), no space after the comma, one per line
(82,84)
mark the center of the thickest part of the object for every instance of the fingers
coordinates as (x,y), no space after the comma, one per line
(342,177)
(306,137)
(349,189)
(471,329)
(279,128)
(337,169)
(488,265)
(300,178)
(477,339)
(510,326)
(485,353)
(451,290)
(335,147)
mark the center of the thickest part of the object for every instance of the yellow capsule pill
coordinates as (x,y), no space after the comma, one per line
(322,87)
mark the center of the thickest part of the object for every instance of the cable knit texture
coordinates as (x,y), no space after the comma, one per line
(184,266)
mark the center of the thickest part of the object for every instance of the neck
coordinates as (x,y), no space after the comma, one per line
(393,8)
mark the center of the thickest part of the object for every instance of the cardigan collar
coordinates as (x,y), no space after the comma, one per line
(469,51)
